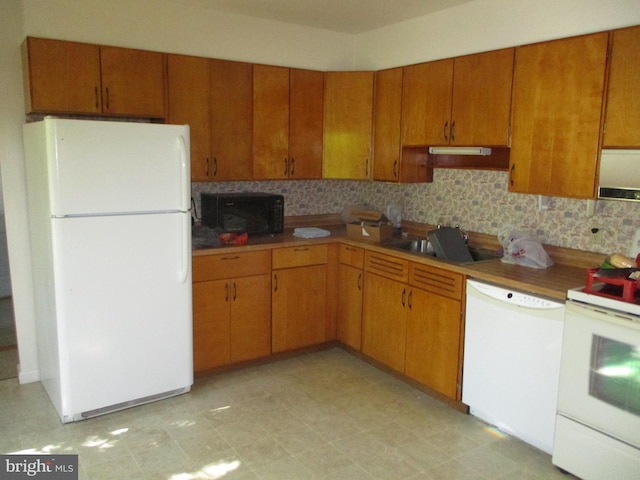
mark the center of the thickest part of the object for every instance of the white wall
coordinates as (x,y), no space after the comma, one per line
(486,25)
(181,27)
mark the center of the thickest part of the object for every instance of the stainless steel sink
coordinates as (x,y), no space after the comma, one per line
(422,247)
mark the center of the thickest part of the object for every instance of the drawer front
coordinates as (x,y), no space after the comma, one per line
(353,256)
(436,280)
(230,265)
(299,256)
(387,266)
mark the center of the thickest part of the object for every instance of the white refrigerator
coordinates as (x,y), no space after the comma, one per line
(110,232)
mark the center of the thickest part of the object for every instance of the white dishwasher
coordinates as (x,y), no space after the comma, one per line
(512,361)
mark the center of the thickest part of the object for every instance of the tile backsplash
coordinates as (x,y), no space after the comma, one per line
(477,200)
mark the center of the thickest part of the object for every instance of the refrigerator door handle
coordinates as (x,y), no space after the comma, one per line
(183,272)
(184,174)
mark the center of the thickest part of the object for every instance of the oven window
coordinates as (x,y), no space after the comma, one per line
(615,373)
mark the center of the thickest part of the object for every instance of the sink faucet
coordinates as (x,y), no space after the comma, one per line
(465,235)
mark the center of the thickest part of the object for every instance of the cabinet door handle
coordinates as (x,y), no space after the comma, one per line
(275,282)
(293,166)
(395,169)
(366,168)
(410,299)
(226,295)
(215,166)
(97,95)
(404,292)
(511,172)
(231,258)
(301,249)
(444,131)
(360,281)
(452,132)
(234,291)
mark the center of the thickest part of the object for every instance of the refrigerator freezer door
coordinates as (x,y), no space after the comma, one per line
(98,167)
(123,300)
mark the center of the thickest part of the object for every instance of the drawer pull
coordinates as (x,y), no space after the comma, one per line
(231,258)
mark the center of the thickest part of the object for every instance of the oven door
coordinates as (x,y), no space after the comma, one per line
(600,371)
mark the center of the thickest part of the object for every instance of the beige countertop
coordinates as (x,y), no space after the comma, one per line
(552,282)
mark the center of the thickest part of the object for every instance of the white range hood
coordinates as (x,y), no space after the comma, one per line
(619,175)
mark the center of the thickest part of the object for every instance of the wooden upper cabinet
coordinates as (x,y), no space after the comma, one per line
(270,122)
(61,77)
(387,117)
(306,107)
(189,103)
(231,109)
(481,104)
(287,123)
(622,122)
(133,82)
(426,103)
(461,101)
(557,104)
(70,77)
(348,116)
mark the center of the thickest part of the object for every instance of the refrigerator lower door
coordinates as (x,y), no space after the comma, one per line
(123,309)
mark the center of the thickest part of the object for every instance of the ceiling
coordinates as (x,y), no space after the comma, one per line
(347,16)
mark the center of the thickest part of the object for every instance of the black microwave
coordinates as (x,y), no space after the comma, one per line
(254,213)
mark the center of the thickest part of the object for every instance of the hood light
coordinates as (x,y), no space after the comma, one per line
(460,151)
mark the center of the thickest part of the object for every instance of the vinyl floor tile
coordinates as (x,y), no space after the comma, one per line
(321,415)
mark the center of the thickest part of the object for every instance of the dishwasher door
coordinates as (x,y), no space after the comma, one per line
(512,361)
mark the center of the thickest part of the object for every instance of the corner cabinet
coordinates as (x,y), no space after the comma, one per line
(462,101)
(287,123)
(231,308)
(623,96)
(78,78)
(299,297)
(348,117)
(557,105)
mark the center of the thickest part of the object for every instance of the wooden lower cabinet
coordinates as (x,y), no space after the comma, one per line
(433,342)
(350,289)
(412,321)
(384,320)
(231,316)
(299,297)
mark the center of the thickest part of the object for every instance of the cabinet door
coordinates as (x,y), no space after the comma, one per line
(348,116)
(231,94)
(189,103)
(433,341)
(270,122)
(557,102)
(623,101)
(482,98)
(426,103)
(387,111)
(133,82)
(383,320)
(61,77)
(211,323)
(298,307)
(306,107)
(250,329)
(350,283)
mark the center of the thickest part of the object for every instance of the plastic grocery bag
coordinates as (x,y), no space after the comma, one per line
(520,250)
